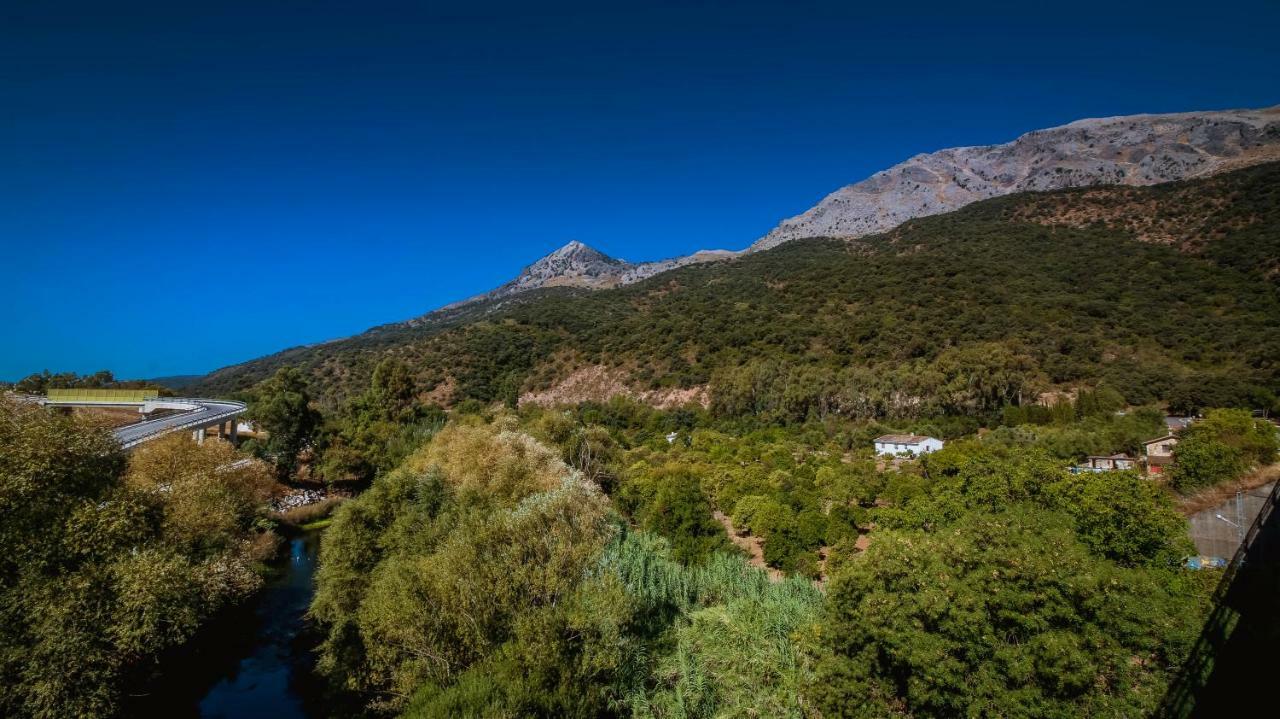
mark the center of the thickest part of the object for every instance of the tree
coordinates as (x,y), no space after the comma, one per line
(492,535)
(681,512)
(1221,447)
(392,393)
(106,561)
(1002,614)
(1202,460)
(283,408)
(1124,517)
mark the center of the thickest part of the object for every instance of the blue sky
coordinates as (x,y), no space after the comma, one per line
(188,185)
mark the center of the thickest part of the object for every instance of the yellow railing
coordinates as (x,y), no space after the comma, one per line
(105,396)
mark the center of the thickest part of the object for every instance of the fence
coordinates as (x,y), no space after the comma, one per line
(1218,531)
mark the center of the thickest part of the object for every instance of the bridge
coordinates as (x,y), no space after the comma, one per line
(183,413)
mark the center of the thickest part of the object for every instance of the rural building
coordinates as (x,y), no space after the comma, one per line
(1175,424)
(1159,453)
(912,444)
(1108,463)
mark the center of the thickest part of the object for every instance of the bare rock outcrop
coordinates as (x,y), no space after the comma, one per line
(1132,150)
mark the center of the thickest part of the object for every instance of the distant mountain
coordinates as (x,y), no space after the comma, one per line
(576,265)
(1135,150)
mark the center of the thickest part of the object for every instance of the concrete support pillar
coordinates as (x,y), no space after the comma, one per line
(198,435)
(235,429)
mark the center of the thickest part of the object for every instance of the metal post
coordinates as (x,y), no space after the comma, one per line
(1240,516)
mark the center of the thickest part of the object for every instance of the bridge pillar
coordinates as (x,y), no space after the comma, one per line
(235,428)
(198,435)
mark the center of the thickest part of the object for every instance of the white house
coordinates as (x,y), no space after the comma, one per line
(912,444)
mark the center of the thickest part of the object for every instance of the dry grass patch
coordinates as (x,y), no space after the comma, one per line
(1216,495)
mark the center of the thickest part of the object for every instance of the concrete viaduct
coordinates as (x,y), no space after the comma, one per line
(184,413)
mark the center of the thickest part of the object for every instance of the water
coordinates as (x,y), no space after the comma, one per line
(255,661)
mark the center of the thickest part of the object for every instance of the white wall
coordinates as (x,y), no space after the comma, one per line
(925,447)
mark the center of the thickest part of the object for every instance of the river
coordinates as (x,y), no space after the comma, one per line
(253,661)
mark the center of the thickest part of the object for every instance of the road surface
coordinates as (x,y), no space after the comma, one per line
(203,413)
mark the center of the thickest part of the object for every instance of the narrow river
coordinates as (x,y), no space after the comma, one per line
(255,661)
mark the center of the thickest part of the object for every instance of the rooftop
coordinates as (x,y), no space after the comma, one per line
(902,439)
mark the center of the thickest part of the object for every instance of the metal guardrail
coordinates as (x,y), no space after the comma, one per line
(204,420)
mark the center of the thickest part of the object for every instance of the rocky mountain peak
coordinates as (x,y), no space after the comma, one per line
(575,252)
(573,265)
(1132,150)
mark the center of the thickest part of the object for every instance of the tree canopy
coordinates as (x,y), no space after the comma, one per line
(105,561)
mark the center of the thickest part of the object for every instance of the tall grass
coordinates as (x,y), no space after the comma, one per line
(739,640)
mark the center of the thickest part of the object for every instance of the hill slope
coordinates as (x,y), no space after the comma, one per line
(957,313)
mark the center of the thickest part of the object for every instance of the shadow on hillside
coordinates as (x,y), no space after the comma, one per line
(1233,660)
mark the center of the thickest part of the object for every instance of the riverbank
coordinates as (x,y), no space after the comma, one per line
(309,517)
(253,660)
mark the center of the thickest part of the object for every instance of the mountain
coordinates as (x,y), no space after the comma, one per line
(1160,291)
(577,265)
(1135,150)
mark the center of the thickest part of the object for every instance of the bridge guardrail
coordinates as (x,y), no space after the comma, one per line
(203,420)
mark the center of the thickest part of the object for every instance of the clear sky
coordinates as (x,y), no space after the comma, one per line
(187,185)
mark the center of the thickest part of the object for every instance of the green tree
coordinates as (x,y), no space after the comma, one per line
(1221,447)
(283,408)
(491,532)
(1202,460)
(392,394)
(681,512)
(1001,614)
(1124,517)
(107,561)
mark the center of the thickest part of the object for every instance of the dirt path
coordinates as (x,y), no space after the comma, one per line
(754,546)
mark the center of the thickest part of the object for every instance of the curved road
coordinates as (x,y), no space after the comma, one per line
(204,413)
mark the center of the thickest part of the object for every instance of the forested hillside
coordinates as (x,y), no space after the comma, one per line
(960,314)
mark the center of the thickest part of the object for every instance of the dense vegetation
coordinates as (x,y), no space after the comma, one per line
(1221,448)
(960,314)
(105,561)
(485,576)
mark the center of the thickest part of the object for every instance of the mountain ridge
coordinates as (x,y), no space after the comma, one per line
(1133,150)
(1177,257)
(1230,140)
